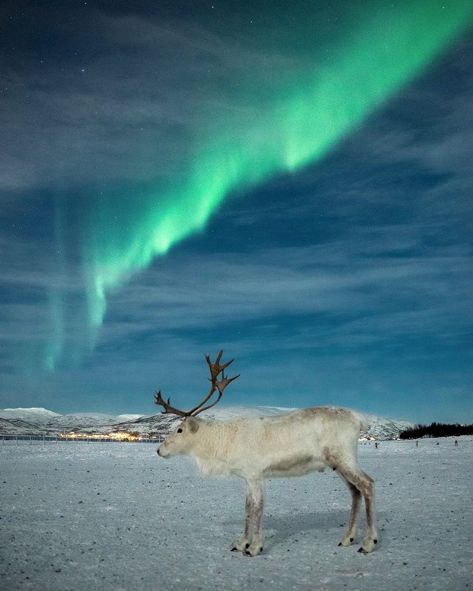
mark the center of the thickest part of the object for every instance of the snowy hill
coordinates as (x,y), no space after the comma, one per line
(19,427)
(40,421)
(31,415)
(383,428)
(81,420)
(153,427)
(129,417)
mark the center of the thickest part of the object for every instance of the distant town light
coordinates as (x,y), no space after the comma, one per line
(113,436)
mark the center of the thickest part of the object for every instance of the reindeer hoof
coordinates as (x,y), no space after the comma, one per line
(346,542)
(253,551)
(240,545)
(369,544)
(246,553)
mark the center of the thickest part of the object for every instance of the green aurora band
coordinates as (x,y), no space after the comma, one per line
(287,129)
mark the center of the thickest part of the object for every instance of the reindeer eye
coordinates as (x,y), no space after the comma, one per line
(179,430)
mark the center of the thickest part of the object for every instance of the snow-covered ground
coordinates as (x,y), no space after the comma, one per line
(114,516)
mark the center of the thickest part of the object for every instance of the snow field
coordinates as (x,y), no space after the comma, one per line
(90,516)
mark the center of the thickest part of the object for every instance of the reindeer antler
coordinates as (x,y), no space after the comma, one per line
(168,409)
(216,385)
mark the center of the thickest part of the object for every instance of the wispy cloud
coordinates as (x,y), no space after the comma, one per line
(126,106)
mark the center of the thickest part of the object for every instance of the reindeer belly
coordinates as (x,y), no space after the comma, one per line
(295,465)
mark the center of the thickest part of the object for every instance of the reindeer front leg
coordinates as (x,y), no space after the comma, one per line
(251,542)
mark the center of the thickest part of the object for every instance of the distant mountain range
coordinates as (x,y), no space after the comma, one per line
(43,422)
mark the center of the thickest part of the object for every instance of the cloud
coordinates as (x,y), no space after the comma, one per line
(127,106)
(362,294)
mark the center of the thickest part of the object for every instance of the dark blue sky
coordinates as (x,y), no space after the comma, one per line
(348,282)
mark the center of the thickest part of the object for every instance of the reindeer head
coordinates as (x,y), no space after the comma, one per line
(180,441)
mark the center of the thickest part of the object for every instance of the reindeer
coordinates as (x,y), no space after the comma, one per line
(292,444)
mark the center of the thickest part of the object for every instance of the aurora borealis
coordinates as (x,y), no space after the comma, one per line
(137,135)
(380,49)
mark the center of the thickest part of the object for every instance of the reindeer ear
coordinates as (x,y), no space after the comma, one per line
(193,424)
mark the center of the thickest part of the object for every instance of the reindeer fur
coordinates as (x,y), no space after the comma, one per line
(292,444)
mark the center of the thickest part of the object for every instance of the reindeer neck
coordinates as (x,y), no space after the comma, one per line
(213,439)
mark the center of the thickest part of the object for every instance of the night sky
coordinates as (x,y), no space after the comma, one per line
(289,181)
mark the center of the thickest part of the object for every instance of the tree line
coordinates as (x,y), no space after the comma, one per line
(436,430)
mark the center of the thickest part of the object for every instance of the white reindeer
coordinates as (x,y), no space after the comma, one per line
(292,444)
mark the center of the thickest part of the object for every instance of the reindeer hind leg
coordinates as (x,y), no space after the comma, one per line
(350,533)
(365,485)
(372,534)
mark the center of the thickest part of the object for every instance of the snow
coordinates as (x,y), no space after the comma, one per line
(384,428)
(127,418)
(84,419)
(17,427)
(114,516)
(34,415)
(41,421)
